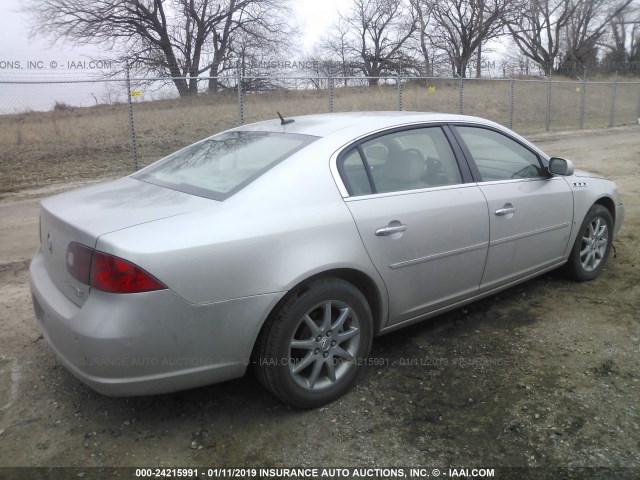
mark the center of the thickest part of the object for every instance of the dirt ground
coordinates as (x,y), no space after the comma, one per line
(544,374)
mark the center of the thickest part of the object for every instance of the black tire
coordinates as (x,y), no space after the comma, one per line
(589,253)
(289,372)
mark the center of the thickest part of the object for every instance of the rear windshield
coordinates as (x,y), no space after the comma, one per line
(223,164)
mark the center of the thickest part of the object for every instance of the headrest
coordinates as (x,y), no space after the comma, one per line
(406,167)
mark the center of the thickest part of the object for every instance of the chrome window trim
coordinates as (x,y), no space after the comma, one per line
(358,198)
(517,180)
(333,159)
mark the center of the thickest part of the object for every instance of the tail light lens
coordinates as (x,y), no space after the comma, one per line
(107,272)
(116,275)
(79,261)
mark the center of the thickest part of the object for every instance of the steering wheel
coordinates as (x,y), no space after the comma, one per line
(434,164)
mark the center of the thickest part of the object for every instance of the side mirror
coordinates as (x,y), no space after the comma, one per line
(560,166)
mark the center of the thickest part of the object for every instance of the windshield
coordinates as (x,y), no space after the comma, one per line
(219,166)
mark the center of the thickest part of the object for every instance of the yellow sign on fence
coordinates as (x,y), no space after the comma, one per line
(136,93)
(431,89)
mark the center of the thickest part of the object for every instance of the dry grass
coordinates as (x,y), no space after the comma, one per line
(68,144)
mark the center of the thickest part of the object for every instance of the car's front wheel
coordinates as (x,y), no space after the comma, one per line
(593,243)
(312,348)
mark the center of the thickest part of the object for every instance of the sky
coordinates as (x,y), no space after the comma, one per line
(20,55)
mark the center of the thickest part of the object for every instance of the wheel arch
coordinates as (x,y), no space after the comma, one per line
(608,203)
(362,282)
(357,278)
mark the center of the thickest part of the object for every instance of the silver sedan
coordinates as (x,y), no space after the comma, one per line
(287,245)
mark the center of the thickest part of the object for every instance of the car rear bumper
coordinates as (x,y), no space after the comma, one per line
(147,343)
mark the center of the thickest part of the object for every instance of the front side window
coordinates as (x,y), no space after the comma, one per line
(405,160)
(223,164)
(498,157)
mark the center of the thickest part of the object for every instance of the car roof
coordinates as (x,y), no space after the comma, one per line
(322,125)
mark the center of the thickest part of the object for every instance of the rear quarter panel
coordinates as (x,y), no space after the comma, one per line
(288,225)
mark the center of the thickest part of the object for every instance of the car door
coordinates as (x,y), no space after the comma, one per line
(423,222)
(530,211)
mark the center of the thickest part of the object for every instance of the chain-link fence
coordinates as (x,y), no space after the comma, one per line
(60,131)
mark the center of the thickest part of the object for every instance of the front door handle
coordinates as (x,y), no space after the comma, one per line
(384,231)
(505,210)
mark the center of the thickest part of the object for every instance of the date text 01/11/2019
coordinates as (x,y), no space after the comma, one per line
(312,473)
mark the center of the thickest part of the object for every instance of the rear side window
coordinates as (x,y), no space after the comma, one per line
(355,174)
(223,164)
(404,160)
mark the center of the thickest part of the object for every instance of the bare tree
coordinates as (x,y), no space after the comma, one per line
(378,32)
(336,51)
(423,39)
(586,27)
(319,67)
(251,64)
(200,18)
(514,62)
(538,29)
(461,27)
(321,63)
(259,29)
(170,37)
(622,42)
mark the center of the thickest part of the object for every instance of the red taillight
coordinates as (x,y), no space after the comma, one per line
(116,275)
(79,261)
(108,272)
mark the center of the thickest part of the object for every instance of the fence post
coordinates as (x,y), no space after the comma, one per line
(330,88)
(612,111)
(583,93)
(399,82)
(511,102)
(461,96)
(132,126)
(547,118)
(240,102)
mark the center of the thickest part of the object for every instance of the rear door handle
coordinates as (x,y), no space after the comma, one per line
(384,231)
(505,210)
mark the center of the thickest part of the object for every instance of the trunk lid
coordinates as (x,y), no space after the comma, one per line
(84,215)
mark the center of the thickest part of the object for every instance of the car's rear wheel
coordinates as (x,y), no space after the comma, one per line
(312,348)
(593,243)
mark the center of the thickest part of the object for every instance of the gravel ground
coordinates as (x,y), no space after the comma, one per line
(542,375)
